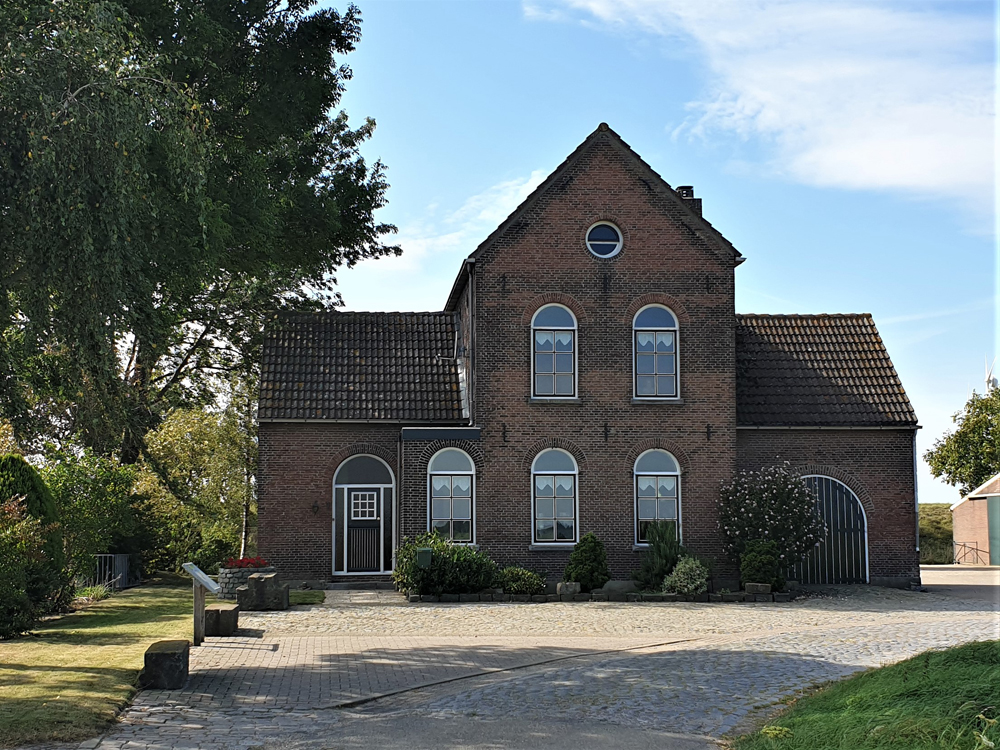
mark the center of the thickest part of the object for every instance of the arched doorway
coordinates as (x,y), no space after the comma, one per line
(363,513)
(842,557)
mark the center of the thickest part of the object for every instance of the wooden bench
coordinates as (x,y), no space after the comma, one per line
(166,665)
(222,619)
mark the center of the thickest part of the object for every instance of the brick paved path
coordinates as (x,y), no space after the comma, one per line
(638,669)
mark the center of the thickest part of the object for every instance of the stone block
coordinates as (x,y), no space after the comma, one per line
(166,665)
(413,597)
(428,598)
(501,597)
(702,597)
(486,597)
(782,596)
(763,597)
(632,596)
(567,588)
(618,587)
(468,597)
(671,598)
(737,596)
(757,588)
(450,598)
(552,598)
(599,596)
(520,597)
(276,596)
(617,596)
(715,597)
(540,598)
(652,597)
(245,600)
(581,598)
(222,620)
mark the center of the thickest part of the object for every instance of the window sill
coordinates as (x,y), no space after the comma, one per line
(554,547)
(640,547)
(554,400)
(637,400)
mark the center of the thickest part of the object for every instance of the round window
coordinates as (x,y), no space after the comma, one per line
(604,240)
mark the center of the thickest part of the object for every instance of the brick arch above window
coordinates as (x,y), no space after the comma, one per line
(553,298)
(475,452)
(567,445)
(662,444)
(362,449)
(846,478)
(657,298)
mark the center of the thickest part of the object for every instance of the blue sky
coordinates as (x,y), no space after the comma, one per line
(845,148)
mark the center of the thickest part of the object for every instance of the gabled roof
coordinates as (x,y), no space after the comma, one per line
(394,367)
(989,488)
(816,371)
(604,134)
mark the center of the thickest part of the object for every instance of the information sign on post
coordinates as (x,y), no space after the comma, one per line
(200,583)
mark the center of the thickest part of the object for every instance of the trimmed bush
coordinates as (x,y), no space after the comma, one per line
(47,585)
(688,578)
(760,563)
(588,563)
(515,580)
(660,559)
(21,544)
(453,569)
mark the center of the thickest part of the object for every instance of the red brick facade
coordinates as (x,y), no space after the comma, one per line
(669,257)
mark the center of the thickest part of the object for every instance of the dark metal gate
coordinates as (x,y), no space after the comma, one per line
(842,557)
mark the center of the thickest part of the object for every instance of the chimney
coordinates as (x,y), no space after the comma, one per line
(686,192)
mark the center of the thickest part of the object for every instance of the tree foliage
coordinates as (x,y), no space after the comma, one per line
(170,171)
(21,555)
(770,505)
(970,454)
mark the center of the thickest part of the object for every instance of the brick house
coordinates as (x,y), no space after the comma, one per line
(588,373)
(976,525)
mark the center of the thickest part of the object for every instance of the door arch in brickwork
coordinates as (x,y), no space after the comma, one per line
(364,497)
(842,557)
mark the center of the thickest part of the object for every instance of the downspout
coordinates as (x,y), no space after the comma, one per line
(916,504)
(398,520)
(472,341)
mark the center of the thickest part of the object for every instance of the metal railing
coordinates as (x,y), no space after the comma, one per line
(968,553)
(113,571)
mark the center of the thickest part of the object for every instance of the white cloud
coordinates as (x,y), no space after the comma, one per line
(854,94)
(433,249)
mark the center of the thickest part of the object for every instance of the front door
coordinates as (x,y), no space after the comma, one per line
(363,534)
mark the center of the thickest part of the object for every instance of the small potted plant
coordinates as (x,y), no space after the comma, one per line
(234,573)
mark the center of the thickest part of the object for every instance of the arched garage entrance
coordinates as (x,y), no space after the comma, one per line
(842,557)
(363,504)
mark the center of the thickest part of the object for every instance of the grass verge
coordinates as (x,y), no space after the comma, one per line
(940,700)
(69,679)
(297,596)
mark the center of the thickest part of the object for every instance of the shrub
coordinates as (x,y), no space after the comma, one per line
(21,550)
(772,504)
(515,580)
(660,559)
(689,578)
(588,563)
(47,584)
(97,593)
(96,506)
(761,563)
(454,568)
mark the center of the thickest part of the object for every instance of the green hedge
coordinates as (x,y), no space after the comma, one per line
(453,569)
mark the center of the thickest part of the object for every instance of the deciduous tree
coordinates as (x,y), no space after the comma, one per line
(970,454)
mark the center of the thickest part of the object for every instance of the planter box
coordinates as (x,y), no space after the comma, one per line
(231,579)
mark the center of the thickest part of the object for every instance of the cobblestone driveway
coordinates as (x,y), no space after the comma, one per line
(361,669)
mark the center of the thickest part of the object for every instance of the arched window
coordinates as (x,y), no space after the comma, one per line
(657,492)
(451,482)
(554,497)
(654,331)
(553,353)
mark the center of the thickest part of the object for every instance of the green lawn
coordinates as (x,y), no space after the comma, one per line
(297,596)
(69,678)
(939,700)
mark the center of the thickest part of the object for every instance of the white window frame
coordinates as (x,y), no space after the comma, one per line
(430,492)
(576,353)
(635,493)
(621,239)
(576,501)
(676,330)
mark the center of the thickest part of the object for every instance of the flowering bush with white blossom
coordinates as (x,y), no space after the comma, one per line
(772,504)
